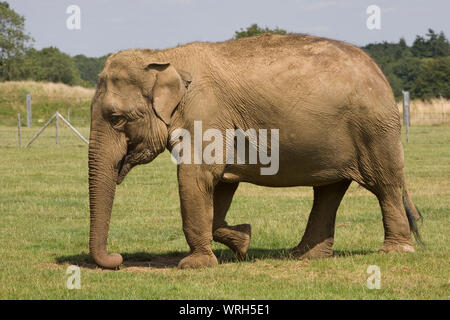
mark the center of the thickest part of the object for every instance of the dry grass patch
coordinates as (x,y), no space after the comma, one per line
(430,111)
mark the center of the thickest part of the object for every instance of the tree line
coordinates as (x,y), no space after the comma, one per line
(422,68)
(20,61)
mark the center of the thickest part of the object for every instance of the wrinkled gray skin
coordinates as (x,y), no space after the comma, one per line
(334,108)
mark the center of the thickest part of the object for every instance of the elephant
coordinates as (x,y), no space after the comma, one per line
(336,121)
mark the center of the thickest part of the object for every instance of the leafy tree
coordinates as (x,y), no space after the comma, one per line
(13,41)
(385,53)
(255,30)
(407,70)
(50,64)
(419,69)
(433,79)
(433,45)
(89,68)
(396,83)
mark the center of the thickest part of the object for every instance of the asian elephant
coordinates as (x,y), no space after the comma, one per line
(334,110)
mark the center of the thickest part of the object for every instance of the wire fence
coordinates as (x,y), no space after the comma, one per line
(432,111)
(429,117)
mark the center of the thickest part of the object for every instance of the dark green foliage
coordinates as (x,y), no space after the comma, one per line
(423,69)
(436,45)
(433,80)
(255,30)
(13,41)
(89,67)
(50,64)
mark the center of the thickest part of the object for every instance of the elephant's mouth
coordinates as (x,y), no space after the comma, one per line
(131,160)
(124,168)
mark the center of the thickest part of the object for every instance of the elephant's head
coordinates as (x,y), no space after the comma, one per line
(132,107)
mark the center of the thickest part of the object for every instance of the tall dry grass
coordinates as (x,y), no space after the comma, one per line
(46,98)
(46,90)
(432,111)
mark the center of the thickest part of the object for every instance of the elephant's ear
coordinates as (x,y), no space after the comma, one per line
(170,86)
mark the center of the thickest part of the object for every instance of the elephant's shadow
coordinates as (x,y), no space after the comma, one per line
(171,259)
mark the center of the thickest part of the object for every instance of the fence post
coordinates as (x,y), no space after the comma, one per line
(57,116)
(406,113)
(40,131)
(28,110)
(19,130)
(73,129)
(68,114)
(56,126)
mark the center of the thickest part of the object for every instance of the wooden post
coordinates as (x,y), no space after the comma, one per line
(406,113)
(28,110)
(68,114)
(443,111)
(19,130)
(56,126)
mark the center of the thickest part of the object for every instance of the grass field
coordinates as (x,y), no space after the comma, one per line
(44,227)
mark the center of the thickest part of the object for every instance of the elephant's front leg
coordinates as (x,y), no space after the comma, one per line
(196,200)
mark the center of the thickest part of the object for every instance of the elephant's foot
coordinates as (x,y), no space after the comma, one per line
(237,238)
(399,247)
(313,250)
(198,260)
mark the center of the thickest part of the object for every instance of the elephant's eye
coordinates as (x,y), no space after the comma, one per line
(117,121)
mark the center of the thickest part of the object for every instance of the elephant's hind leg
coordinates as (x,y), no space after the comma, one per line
(317,242)
(383,175)
(237,238)
(397,236)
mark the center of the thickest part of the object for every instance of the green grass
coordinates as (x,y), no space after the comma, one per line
(44,227)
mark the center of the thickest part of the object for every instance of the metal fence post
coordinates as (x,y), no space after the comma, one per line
(57,116)
(40,131)
(406,113)
(56,126)
(28,110)
(19,130)
(73,129)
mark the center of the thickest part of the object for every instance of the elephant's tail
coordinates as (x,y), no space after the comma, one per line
(413,214)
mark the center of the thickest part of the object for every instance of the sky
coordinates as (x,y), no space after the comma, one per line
(107,26)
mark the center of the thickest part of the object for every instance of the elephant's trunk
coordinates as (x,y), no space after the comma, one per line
(105,155)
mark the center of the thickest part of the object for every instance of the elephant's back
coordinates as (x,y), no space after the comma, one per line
(302,70)
(264,50)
